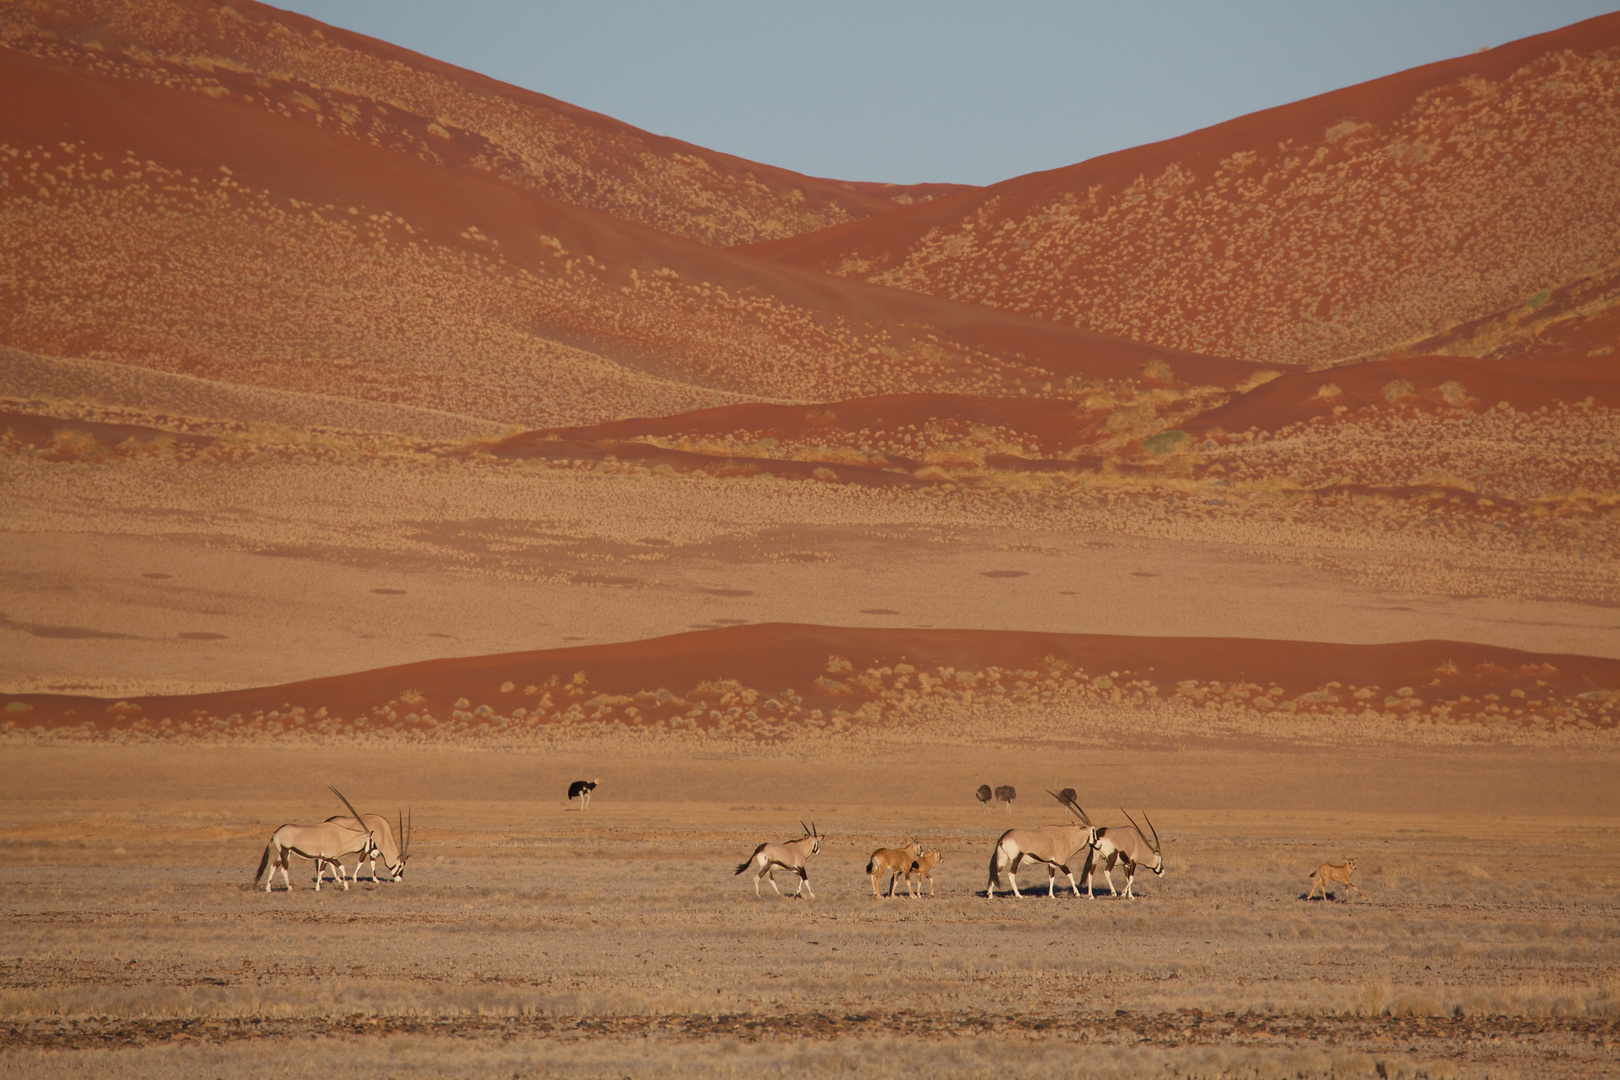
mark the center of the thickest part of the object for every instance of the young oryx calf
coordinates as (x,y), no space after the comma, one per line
(1129,846)
(923,867)
(790,855)
(324,843)
(1339,875)
(891,860)
(1054,845)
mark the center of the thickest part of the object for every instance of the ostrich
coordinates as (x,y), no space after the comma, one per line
(1067,795)
(581,790)
(1006,793)
(984,794)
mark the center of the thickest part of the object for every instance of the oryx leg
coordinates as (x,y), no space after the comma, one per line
(1051,880)
(804,883)
(1012,873)
(1318,883)
(770,874)
(1108,873)
(1130,880)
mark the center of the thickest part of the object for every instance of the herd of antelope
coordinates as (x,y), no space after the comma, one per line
(1060,848)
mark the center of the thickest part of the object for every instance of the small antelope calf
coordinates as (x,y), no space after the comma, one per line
(1339,875)
(922,867)
(891,860)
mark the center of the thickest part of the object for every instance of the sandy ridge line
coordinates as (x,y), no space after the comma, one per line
(1168,1029)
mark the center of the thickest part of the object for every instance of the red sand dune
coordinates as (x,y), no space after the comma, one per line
(751,679)
(332,80)
(1348,224)
(1427,383)
(210,235)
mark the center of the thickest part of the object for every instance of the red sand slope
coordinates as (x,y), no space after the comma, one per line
(1425,383)
(367,90)
(1348,224)
(772,680)
(150,225)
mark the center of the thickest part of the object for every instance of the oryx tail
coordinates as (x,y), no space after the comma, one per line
(745,864)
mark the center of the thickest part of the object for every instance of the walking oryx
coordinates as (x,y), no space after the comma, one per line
(1006,793)
(790,855)
(581,790)
(391,849)
(923,867)
(324,843)
(1129,846)
(891,860)
(1339,874)
(1054,845)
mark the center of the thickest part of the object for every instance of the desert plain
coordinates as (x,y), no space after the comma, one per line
(369,424)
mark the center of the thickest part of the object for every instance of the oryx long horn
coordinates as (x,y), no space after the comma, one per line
(352,810)
(1155,832)
(805,827)
(1074,807)
(1134,825)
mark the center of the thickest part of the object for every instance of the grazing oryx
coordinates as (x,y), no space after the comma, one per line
(1006,793)
(1054,845)
(1339,874)
(581,790)
(790,855)
(923,867)
(984,795)
(392,849)
(324,843)
(891,860)
(1130,846)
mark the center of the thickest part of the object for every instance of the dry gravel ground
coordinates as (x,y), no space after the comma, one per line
(529,939)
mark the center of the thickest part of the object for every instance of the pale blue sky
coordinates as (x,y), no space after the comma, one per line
(939,91)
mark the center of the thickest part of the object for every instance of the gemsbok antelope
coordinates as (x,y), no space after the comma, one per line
(1130,846)
(392,849)
(325,843)
(789,855)
(1054,845)
(1339,875)
(891,861)
(1006,793)
(923,867)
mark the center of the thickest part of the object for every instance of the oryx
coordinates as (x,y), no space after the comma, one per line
(1130,846)
(1340,874)
(891,860)
(324,843)
(790,855)
(392,849)
(1054,845)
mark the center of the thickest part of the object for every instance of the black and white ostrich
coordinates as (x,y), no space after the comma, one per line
(581,790)
(1006,793)
(984,795)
